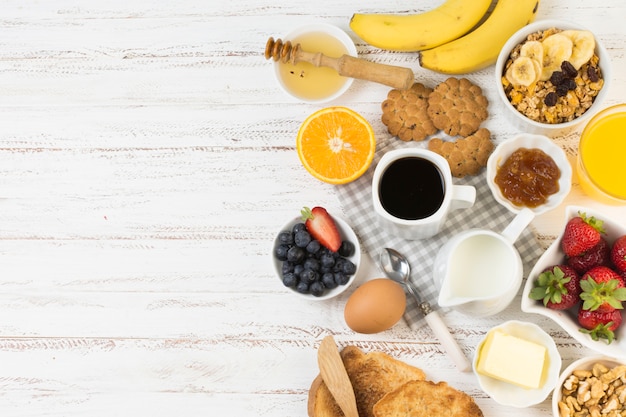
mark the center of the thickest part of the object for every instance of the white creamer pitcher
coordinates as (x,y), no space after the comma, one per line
(479,271)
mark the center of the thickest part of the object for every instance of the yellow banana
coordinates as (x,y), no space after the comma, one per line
(416,32)
(480,48)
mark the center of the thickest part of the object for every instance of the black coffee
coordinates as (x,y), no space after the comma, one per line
(411,188)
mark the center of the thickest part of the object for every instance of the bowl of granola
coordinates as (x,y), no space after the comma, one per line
(551,76)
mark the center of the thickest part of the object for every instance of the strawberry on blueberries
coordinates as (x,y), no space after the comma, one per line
(600,324)
(599,255)
(618,253)
(603,290)
(313,256)
(322,227)
(558,287)
(581,234)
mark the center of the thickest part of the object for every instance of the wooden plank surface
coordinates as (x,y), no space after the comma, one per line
(146,162)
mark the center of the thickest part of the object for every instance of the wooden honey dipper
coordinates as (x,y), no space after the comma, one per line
(348,66)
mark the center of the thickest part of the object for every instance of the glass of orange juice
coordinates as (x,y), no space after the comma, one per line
(601,150)
(307,82)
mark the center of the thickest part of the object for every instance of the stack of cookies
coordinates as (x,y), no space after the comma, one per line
(457,107)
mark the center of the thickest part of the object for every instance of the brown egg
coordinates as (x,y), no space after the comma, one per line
(375,306)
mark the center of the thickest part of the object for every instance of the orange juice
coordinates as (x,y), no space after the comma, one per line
(307,81)
(602,156)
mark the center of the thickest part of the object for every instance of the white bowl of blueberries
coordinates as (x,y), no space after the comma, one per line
(309,269)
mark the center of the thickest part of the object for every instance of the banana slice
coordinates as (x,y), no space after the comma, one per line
(533,50)
(583,48)
(556,49)
(522,71)
(538,69)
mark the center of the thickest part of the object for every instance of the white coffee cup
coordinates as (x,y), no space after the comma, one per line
(412,193)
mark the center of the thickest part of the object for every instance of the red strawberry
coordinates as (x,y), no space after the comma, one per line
(603,289)
(558,287)
(322,227)
(600,325)
(596,256)
(581,234)
(618,253)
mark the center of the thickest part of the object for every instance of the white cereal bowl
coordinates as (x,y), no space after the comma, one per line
(326,29)
(510,394)
(522,122)
(567,318)
(583,364)
(506,148)
(347,233)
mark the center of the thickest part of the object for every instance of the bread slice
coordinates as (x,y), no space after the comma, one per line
(372,375)
(426,398)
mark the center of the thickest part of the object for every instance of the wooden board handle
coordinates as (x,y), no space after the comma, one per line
(335,376)
(397,77)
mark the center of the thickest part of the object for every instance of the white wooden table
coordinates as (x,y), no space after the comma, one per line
(147,160)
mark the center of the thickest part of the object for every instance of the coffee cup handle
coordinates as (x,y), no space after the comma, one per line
(463,196)
(519,223)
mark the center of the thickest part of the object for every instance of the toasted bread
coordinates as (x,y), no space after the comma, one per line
(426,398)
(372,375)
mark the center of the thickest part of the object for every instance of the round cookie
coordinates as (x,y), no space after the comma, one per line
(405,113)
(466,156)
(457,107)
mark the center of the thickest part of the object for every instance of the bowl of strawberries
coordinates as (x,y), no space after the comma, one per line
(580,281)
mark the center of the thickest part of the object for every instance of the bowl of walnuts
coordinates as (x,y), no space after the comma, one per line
(551,75)
(591,386)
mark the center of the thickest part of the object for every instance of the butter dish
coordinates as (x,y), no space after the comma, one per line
(514,394)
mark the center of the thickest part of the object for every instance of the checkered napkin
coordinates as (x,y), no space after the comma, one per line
(486,213)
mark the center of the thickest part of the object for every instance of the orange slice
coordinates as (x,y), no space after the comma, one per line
(336,145)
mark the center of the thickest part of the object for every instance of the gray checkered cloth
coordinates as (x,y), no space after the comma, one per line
(486,213)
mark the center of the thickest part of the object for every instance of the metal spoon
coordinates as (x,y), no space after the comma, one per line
(397,267)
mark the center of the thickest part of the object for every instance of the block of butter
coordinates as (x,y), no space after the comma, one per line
(512,359)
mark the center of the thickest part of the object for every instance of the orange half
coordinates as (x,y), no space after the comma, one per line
(336,145)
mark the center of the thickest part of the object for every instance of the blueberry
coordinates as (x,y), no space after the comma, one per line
(285,238)
(328,279)
(327,261)
(296,255)
(314,246)
(341,278)
(297,269)
(348,267)
(302,238)
(287,267)
(346,249)
(290,279)
(302,287)
(312,264)
(339,264)
(309,276)
(298,227)
(317,289)
(280,252)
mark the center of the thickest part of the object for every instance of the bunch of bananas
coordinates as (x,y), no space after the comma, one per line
(458,37)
